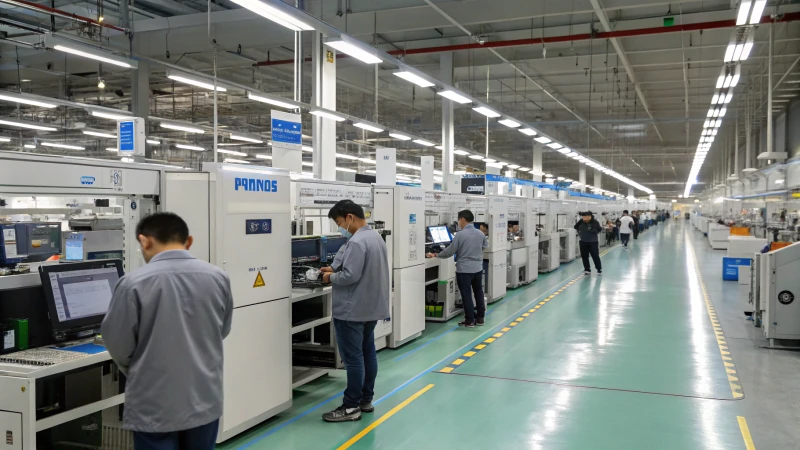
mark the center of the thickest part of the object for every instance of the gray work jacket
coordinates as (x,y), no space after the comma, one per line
(164,329)
(468,245)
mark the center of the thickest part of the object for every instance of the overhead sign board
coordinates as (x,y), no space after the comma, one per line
(287,130)
(131,137)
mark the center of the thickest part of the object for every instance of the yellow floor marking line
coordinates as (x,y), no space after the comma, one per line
(384,418)
(748,440)
(724,351)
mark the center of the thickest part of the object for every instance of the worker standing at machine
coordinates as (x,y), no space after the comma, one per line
(164,329)
(360,300)
(588,229)
(468,244)
(625,228)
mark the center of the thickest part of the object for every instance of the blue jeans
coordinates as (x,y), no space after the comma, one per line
(199,438)
(469,284)
(356,341)
(625,238)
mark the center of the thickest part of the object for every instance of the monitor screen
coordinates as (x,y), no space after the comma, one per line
(74,247)
(305,250)
(440,234)
(334,244)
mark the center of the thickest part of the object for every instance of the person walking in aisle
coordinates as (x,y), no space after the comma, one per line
(625,228)
(360,300)
(164,329)
(588,229)
(635,225)
(468,243)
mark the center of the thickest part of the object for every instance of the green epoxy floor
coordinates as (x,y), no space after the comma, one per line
(625,361)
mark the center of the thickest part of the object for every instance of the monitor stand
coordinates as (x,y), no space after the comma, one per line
(76,333)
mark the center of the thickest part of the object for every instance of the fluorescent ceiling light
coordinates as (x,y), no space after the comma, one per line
(194,82)
(342,155)
(737,74)
(548,175)
(274,14)
(106,115)
(99,134)
(486,111)
(758,9)
(439,147)
(367,160)
(509,123)
(748,46)
(307,148)
(354,49)
(513,166)
(108,149)
(66,146)
(262,99)
(153,142)
(728,56)
(728,80)
(542,140)
(495,165)
(343,169)
(744,13)
(235,161)
(5,139)
(460,152)
(489,160)
(231,152)
(18,98)
(368,127)
(475,157)
(307,164)
(455,96)
(554,145)
(715,99)
(524,169)
(737,52)
(180,127)
(414,78)
(327,115)
(423,142)
(34,146)
(25,124)
(722,112)
(560,178)
(399,136)
(191,147)
(246,138)
(264,156)
(86,51)
(528,131)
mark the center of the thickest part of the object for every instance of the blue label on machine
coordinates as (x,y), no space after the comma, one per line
(287,132)
(412,218)
(730,267)
(126,135)
(258,226)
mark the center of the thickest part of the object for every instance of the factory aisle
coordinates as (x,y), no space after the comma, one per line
(626,361)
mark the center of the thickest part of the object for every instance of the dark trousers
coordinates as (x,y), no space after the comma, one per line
(609,237)
(636,231)
(200,438)
(356,341)
(625,238)
(591,249)
(616,233)
(469,284)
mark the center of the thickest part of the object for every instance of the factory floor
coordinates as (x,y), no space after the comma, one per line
(650,355)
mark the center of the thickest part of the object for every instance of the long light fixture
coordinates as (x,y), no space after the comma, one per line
(5,139)
(352,47)
(153,142)
(86,51)
(262,156)
(528,131)
(307,148)
(486,112)
(413,78)
(191,147)
(111,116)
(64,146)
(455,96)
(235,161)
(475,157)
(25,124)
(509,123)
(231,152)
(368,127)
(344,169)
(460,152)
(25,100)
(554,145)
(542,140)
(401,137)
(758,9)
(246,138)
(181,127)
(260,98)
(193,81)
(327,115)
(345,156)
(99,134)
(423,142)
(274,14)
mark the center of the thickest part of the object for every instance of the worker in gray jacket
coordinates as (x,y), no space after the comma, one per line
(360,299)
(468,245)
(588,229)
(164,329)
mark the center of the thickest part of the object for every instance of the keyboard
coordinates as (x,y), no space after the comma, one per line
(43,356)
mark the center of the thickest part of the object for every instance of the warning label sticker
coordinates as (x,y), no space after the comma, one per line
(259,281)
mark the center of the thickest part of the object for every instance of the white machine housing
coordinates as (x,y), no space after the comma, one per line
(496,253)
(780,287)
(402,209)
(240,220)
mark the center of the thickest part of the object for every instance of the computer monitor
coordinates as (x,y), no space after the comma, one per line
(440,234)
(334,244)
(73,247)
(78,294)
(305,250)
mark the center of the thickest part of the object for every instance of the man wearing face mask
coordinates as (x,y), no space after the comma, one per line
(164,329)
(468,245)
(360,299)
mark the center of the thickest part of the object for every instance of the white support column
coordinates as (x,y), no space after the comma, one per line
(323,131)
(631,195)
(140,93)
(582,177)
(536,163)
(736,150)
(748,126)
(448,129)
(598,179)
(769,88)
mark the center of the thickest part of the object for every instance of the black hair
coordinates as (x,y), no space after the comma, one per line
(484,225)
(466,215)
(625,212)
(345,207)
(164,227)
